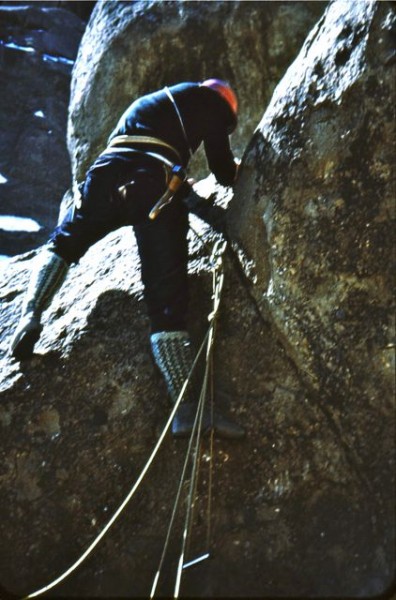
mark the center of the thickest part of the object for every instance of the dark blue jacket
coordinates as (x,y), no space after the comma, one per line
(206,117)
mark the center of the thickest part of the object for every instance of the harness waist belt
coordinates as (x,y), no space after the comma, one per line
(176,176)
(123,140)
(155,155)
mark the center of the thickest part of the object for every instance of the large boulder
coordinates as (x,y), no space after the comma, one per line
(38,46)
(78,423)
(303,507)
(313,220)
(132,48)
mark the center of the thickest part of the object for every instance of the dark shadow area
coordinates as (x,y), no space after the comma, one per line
(78,429)
(82,429)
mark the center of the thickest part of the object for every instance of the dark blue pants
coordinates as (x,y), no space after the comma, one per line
(162,243)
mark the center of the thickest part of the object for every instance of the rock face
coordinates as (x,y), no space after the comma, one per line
(132,48)
(314,216)
(324,193)
(38,46)
(304,507)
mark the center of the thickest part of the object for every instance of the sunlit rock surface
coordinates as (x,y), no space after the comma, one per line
(38,46)
(304,507)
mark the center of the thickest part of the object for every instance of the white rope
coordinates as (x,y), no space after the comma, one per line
(217,284)
(198,419)
(122,506)
(194,474)
(99,537)
(218,280)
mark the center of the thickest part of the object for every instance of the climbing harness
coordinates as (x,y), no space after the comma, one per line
(141,140)
(194,442)
(175,174)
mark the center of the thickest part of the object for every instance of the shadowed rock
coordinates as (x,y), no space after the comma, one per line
(305,506)
(37,50)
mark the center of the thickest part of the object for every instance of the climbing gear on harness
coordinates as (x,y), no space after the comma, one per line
(171,98)
(175,174)
(176,178)
(46,278)
(173,356)
(225,91)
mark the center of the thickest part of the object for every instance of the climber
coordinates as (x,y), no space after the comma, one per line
(139,180)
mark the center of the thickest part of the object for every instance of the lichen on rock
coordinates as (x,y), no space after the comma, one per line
(305,505)
(318,179)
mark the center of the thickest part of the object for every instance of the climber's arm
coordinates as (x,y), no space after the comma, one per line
(220,158)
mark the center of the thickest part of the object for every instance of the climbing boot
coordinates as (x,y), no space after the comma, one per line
(183,423)
(46,278)
(173,356)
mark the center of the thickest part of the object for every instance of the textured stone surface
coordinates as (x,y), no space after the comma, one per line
(316,224)
(37,50)
(314,214)
(132,48)
(79,420)
(304,507)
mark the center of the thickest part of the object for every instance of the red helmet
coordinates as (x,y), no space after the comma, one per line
(225,91)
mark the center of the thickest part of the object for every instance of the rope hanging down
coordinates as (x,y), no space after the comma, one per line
(195,439)
(218,279)
(208,342)
(195,432)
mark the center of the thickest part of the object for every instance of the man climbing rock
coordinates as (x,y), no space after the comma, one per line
(139,180)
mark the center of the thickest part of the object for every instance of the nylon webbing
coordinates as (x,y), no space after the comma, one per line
(173,101)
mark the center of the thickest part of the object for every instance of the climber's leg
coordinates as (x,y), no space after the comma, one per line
(173,356)
(163,251)
(48,274)
(80,229)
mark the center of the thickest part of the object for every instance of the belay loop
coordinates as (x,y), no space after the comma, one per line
(216,263)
